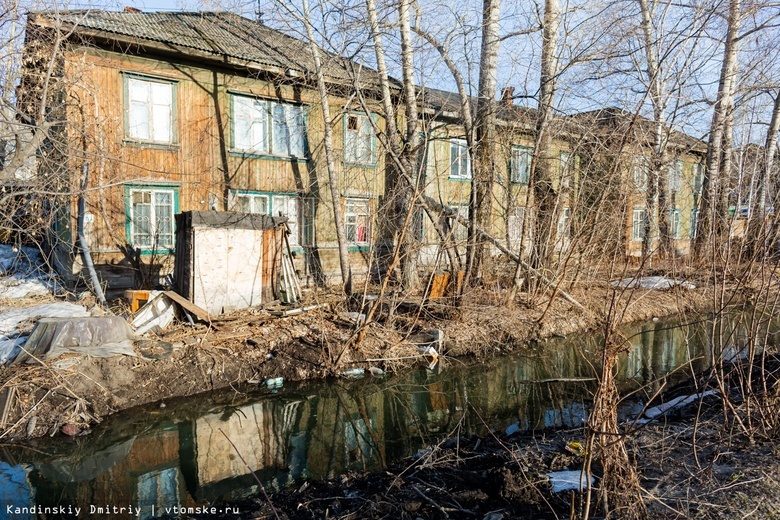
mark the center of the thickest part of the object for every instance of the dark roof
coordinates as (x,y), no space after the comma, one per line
(205,34)
(445,102)
(616,120)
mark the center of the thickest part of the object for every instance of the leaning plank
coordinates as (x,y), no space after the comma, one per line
(188,306)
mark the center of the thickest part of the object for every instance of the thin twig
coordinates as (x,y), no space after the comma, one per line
(262,487)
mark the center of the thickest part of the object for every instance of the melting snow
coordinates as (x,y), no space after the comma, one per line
(652,282)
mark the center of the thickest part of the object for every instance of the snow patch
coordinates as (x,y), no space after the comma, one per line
(653,282)
(22,273)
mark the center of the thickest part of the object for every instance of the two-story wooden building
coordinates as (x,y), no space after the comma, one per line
(621,147)
(200,111)
(212,111)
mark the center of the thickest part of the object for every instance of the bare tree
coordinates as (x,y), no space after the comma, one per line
(713,212)
(481,197)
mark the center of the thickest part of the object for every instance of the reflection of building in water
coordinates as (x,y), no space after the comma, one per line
(140,471)
(349,432)
(661,349)
(267,436)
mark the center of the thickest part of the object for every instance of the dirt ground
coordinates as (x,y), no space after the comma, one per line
(73,394)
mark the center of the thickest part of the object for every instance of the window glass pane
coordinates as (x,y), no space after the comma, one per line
(259,134)
(358,140)
(357,221)
(241,204)
(161,93)
(138,121)
(260,205)
(454,155)
(351,143)
(366,141)
(161,123)
(138,90)
(249,124)
(141,221)
(281,134)
(520,163)
(296,130)
(150,110)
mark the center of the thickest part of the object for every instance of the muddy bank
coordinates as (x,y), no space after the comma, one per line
(255,345)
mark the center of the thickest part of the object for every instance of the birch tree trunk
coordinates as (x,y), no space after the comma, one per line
(715,177)
(543,162)
(656,201)
(402,148)
(767,173)
(330,157)
(410,242)
(481,196)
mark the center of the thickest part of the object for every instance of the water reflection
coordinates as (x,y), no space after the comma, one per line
(201,450)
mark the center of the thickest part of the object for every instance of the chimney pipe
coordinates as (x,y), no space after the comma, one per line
(507,93)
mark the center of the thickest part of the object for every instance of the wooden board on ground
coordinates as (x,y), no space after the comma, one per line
(188,306)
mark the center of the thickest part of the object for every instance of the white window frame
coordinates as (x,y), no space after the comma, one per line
(354,209)
(155,243)
(460,160)
(698,178)
(675,176)
(520,163)
(359,140)
(694,222)
(259,203)
(150,110)
(675,223)
(638,220)
(274,204)
(257,126)
(641,171)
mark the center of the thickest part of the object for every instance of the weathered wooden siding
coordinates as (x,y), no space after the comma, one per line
(200,165)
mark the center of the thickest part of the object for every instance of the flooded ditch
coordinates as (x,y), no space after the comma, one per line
(195,451)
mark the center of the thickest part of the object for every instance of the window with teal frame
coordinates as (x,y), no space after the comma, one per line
(269,203)
(150,110)
(357,221)
(460,160)
(265,127)
(150,217)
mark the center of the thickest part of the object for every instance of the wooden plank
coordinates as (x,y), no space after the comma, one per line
(439,285)
(188,306)
(7,401)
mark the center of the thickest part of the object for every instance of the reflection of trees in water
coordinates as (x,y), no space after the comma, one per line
(362,425)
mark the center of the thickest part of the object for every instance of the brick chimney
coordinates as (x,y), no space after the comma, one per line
(507,94)
(129,9)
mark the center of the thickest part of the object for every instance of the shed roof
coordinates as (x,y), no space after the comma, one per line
(226,219)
